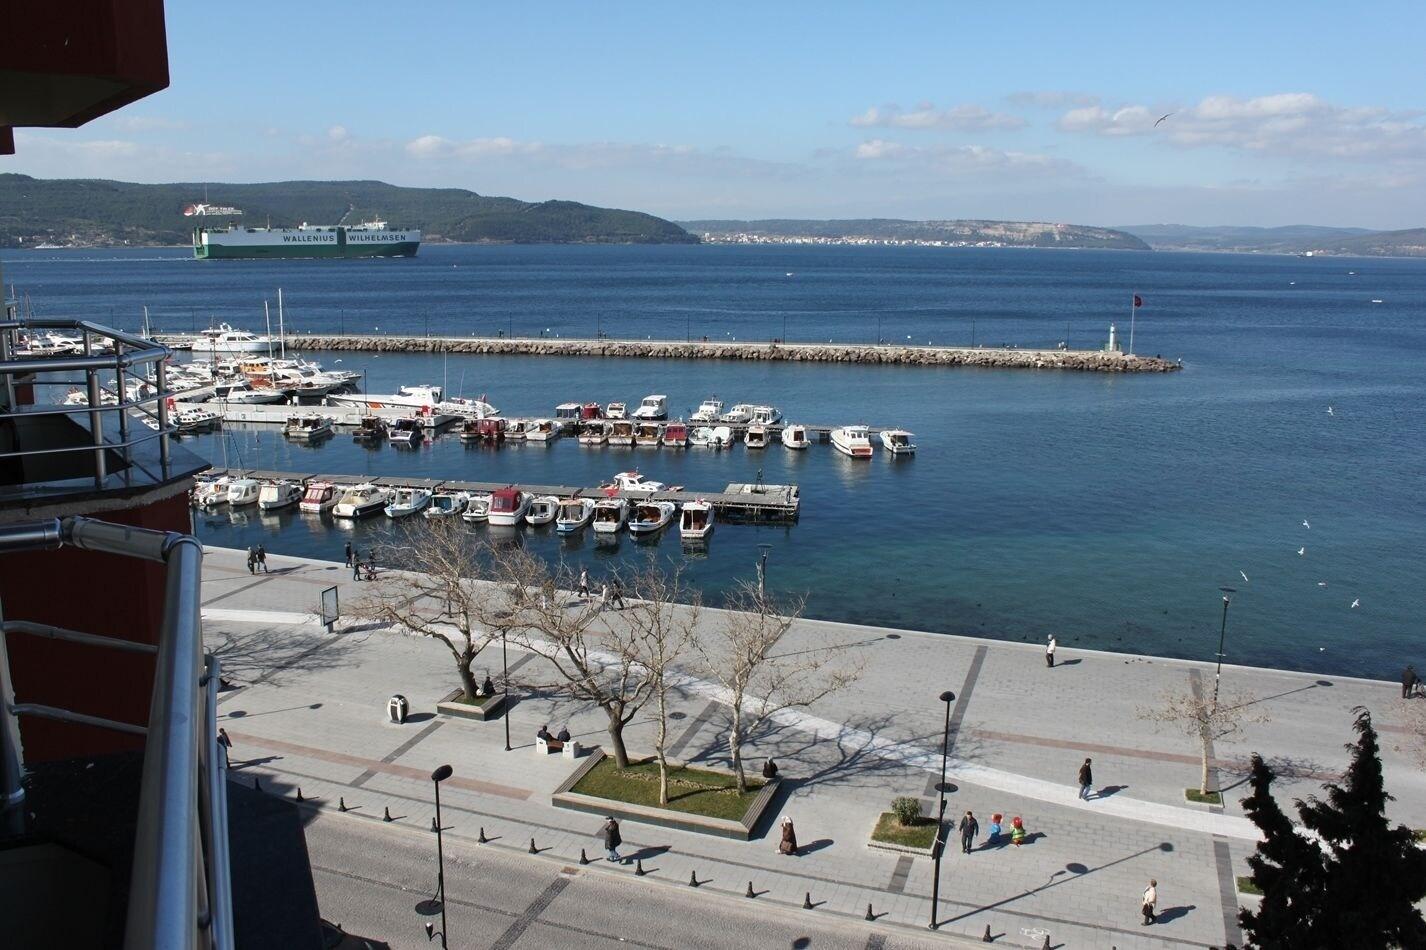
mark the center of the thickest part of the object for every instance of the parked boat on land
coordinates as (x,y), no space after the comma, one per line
(477,508)
(242,491)
(407,501)
(652,409)
(621,432)
(446,504)
(307,427)
(675,435)
(898,441)
(616,410)
(756,436)
(370,429)
(273,496)
(795,436)
(647,434)
(542,510)
(696,521)
(404,432)
(508,506)
(574,513)
(709,410)
(610,514)
(318,498)
(651,517)
(852,440)
(594,433)
(360,501)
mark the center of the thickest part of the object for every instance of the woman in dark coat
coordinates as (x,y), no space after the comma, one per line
(612,840)
(788,844)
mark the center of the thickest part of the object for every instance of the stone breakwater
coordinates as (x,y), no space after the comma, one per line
(1090,361)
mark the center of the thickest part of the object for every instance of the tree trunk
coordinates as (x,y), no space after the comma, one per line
(735,746)
(1203,784)
(616,739)
(659,744)
(467,679)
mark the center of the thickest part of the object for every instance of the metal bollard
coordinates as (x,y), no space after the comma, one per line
(692,878)
(583,858)
(639,867)
(869,914)
(807,901)
(386,814)
(750,890)
(533,849)
(341,804)
(986,937)
(482,839)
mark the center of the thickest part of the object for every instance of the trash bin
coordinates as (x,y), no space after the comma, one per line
(396,708)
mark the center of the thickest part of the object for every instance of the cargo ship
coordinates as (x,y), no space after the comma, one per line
(372,239)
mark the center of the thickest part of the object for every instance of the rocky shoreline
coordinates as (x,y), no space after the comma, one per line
(1090,361)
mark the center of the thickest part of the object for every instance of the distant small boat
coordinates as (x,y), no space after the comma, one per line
(483,430)
(404,432)
(898,441)
(545,430)
(407,501)
(370,429)
(739,414)
(242,491)
(542,510)
(756,436)
(594,433)
(621,432)
(211,493)
(708,411)
(767,415)
(651,517)
(852,440)
(516,430)
(446,504)
(675,435)
(696,521)
(1374,300)
(635,484)
(318,498)
(360,501)
(610,514)
(711,437)
(653,408)
(647,434)
(508,506)
(795,436)
(569,411)
(616,410)
(574,513)
(307,427)
(279,494)
(477,509)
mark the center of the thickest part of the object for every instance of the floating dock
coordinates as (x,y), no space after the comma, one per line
(738,502)
(347,417)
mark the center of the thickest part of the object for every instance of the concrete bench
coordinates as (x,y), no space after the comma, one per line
(570,749)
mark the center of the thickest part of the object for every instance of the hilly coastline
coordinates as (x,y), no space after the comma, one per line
(1291,239)
(950,233)
(100,213)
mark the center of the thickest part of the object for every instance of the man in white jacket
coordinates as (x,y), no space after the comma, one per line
(1151,897)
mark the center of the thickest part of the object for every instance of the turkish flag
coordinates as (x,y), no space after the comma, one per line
(1138,301)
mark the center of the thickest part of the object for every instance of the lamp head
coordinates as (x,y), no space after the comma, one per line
(442,773)
(430,931)
(947,696)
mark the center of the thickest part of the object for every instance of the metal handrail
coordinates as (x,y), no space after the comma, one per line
(180,887)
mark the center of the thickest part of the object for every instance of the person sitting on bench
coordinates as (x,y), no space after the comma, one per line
(564,735)
(544,734)
(487,688)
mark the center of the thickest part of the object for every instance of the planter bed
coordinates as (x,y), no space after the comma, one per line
(488,708)
(890,835)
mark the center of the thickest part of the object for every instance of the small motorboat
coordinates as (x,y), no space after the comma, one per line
(711,437)
(273,496)
(594,433)
(568,412)
(483,430)
(508,506)
(211,492)
(651,517)
(371,430)
(652,409)
(590,411)
(738,415)
(898,441)
(795,436)
(621,433)
(241,392)
(767,415)
(193,419)
(243,491)
(648,434)
(853,441)
(477,509)
(360,501)
(542,510)
(446,504)
(407,501)
(319,497)
(756,436)
(545,430)
(722,437)
(307,427)
(635,484)
(574,513)
(696,521)
(675,435)
(517,429)
(708,411)
(405,431)
(610,514)
(616,410)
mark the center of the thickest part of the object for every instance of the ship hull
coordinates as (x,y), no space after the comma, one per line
(213,251)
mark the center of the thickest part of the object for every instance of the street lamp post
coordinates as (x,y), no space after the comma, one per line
(439,776)
(947,697)
(505,687)
(1222,632)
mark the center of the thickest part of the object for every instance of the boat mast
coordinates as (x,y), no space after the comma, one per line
(267,315)
(281,327)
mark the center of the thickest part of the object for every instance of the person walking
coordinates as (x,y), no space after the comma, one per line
(1409,679)
(349,554)
(617,593)
(612,840)
(1086,780)
(584,583)
(1050,651)
(227,745)
(252,561)
(356,564)
(788,844)
(262,558)
(969,829)
(1151,897)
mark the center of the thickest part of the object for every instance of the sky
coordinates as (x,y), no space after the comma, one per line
(1278,113)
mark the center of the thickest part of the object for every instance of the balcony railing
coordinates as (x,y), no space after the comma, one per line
(179,893)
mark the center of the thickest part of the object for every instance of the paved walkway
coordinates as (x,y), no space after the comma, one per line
(310,707)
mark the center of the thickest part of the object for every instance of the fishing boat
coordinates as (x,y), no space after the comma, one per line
(542,510)
(647,434)
(407,501)
(621,432)
(756,436)
(446,504)
(545,430)
(708,410)
(242,491)
(675,435)
(594,433)
(574,513)
(405,431)
(273,496)
(740,414)
(711,437)
(307,427)
(569,412)
(589,411)
(490,431)
(360,501)
(898,441)
(370,429)
(696,521)
(652,409)
(610,514)
(516,430)
(853,441)
(211,492)
(477,509)
(616,410)
(319,497)
(635,484)
(508,506)
(795,436)
(651,517)
(767,415)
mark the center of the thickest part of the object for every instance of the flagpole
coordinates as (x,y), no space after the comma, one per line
(1132,308)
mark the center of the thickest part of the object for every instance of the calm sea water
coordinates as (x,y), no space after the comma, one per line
(1107,510)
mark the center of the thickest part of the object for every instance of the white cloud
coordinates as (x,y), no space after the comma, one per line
(964,159)
(438,147)
(927,116)
(337,133)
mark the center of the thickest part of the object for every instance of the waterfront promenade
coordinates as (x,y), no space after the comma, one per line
(309,711)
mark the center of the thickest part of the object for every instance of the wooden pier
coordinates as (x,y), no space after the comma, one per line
(738,502)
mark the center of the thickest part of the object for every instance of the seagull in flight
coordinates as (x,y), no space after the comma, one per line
(1301,551)
(1306,525)
(1357,602)
(1162,118)
(1243,576)
(1329,411)
(1321,583)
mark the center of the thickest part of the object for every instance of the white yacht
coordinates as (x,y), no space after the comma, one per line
(211,493)
(651,517)
(795,436)
(594,433)
(696,521)
(756,436)
(360,501)
(610,514)
(767,415)
(477,508)
(406,397)
(898,441)
(242,491)
(446,504)
(242,392)
(635,484)
(192,419)
(574,513)
(407,501)
(279,494)
(652,409)
(508,506)
(225,341)
(470,408)
(621,432)
(543,509)
(853,441)
(739,414)
(404,432)
(319,497)
(647,434)
(708,411)
(307,427)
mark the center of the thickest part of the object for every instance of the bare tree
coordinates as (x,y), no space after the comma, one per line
(662,620)
(434,589)
(1196,714)
(740,653)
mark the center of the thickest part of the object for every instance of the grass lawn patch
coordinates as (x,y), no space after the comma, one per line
(1194,795)
(890,830)
(695,791)
(1420,834)
(1246,886)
